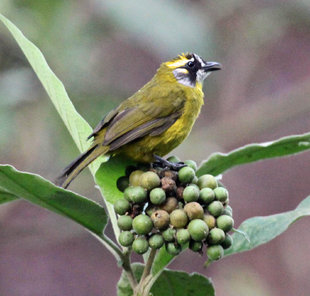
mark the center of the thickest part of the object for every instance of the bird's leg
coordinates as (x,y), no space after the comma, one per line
(164,163)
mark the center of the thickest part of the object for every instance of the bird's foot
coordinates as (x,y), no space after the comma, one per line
(164,163)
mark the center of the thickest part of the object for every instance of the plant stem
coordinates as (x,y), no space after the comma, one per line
(127,267)
(143,288)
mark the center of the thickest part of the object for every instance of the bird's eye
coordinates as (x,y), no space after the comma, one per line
(190,64)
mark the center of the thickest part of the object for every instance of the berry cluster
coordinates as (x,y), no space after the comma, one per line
(173,208)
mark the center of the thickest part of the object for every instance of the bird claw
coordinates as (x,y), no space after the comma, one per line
(164,163)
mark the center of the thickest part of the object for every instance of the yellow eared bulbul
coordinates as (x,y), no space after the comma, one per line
(154,120)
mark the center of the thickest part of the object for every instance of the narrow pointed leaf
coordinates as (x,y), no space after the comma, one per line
(261,230)
(43,193)
(218,163)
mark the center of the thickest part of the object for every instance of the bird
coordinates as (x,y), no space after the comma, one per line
(154,120)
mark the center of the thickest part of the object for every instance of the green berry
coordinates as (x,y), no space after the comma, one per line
(142,224)
(198,229)
(194,210)
(195,246)
(206,195)
(124,222)
(183,236)
(121,206)
(173,159)
(157,196)
(210,220)
(169,234)
(160,219)
(191,163)
(150,210)
(170,204)
(134,177)
(126,238)
(225,222)
(156,241)
(216,236)
(122,183)
(215,252)
(228,241)
(135,194)
(191,193)
(228,211)
(178,218)
(195,181)
(173,249)
(207,181)
(140,245)
(149,180)
(186,175)
(215,208)
(221,194)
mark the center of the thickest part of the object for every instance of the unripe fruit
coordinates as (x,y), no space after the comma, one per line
(207,181)
(191,163)
(183,236)
(228,241)
(160,219)
(170,204)
(225,222)
(228,211)
(140,245)
(216,236)
(210,220)
(173,249)
(134,177)
(135,194)
(178,218)
(206,195)
(221,194)
(149,180)
(124,222)
(186,175)
(169,234)
(142,224)
(215,208)
(122,183)
(195,246)
(126,238)
(191,193)
(121,206)
(195,181)
(194,210)
(198,229)
(157,196)
(173,159)
(215,252)
(156,241)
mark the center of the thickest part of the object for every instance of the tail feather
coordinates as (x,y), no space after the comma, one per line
(77,165)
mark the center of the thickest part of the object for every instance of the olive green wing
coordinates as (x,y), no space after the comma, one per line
(140,116)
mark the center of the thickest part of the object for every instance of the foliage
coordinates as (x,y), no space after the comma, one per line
(15,184)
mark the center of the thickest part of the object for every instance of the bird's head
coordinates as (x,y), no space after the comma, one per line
(190,69)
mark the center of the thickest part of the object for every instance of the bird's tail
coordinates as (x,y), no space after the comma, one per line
(77,165)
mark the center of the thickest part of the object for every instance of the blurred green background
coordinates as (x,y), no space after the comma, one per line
(103,51)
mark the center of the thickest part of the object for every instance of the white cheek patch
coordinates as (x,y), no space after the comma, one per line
(183,77)
(201,75)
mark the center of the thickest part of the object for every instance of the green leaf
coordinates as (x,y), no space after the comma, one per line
(43,193)
(261,230)
(170,283)
(6,196)
(107,175)
(218,163)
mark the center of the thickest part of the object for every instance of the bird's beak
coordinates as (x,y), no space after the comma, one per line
(211,66)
